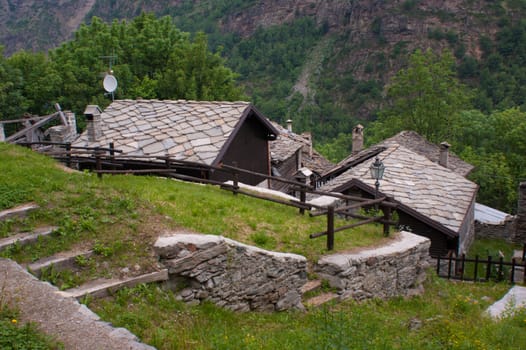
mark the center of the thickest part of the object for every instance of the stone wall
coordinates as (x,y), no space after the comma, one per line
(397,269)
(505,231)
(520,228)
(231,274)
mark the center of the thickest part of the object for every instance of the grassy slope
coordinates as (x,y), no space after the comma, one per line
(121,216)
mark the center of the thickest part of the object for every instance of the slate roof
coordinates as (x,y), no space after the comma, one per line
(186,130)
(412,141)
(288,143)
(428,189)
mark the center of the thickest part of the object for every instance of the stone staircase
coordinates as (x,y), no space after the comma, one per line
(68,260)
(313,296)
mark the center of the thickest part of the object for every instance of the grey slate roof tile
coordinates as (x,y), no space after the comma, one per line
(288,143)
(154,127)
(417,182)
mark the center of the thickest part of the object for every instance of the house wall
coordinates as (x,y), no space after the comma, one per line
(467,231)
(249,149)
(440,243)
(287,169)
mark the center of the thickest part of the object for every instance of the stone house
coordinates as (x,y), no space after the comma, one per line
(434,201)
(294,158)
(211,133)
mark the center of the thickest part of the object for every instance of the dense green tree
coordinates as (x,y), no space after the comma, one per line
(12,101)
(150,57)
(425,97)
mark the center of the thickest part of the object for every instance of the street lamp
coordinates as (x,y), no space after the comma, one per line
(377,173)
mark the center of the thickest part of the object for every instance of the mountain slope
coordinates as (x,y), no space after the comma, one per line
(323,63)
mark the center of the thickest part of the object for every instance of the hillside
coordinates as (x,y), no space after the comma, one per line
(120,216)
(322,63)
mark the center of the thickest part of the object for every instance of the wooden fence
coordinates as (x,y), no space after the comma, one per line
(110,161)
(482,270)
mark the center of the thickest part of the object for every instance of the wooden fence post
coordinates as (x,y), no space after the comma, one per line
(98,162)
(235,179)
(68,155)
(387,218)
(303,198)
(462,266)
(112,155)
(488,268)
(476,268)
(330,227)
(512,273)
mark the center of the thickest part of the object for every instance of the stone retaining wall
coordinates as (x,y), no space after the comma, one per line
(232,274)
(398,269)
(505,231)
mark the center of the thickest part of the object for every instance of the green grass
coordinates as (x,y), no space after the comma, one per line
(447,316)
(120,217)
(491,247)
(17,335)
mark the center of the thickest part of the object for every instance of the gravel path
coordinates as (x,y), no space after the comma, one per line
(64,318)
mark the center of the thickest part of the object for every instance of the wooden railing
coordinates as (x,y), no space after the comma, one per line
(111,161)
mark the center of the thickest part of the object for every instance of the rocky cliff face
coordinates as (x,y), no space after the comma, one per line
(37,25)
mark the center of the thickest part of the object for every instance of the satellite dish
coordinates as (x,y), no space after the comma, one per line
(110,83)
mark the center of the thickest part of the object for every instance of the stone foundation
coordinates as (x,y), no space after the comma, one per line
(231,274)
(398,269)
(505,231)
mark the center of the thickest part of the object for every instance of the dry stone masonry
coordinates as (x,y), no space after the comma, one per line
(520,229)
(398,269)
(232,274)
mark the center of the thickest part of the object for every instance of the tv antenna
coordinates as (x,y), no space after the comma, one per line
(110,82)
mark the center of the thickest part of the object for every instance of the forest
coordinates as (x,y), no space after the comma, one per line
(474,104)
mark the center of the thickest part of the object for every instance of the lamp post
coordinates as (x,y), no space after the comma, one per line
(377,173)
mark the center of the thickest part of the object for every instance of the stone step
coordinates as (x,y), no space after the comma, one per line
(61,261)
(103,287)
(310,286)
(26,237)
(320,299)
(18,212)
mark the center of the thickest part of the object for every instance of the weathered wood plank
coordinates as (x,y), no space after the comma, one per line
(19,211)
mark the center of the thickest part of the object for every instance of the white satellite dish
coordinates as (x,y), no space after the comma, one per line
(110,83)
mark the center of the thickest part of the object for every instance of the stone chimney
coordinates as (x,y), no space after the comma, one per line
(444,154)
(357,138)
(93,121)
(307,136)
(289,125)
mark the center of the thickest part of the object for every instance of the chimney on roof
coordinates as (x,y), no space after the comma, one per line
(93,120)
(357,138)
(289,125)
(307,136)
(444,154)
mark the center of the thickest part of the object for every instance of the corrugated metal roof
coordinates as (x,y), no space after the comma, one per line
(487,215)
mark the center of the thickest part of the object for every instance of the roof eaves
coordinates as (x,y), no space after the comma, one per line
(425,219)
(273,132)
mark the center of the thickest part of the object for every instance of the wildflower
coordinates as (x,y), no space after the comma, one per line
(14,321)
